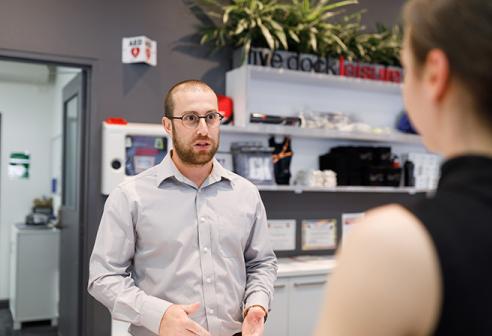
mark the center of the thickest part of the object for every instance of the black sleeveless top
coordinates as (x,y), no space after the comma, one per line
(459,220)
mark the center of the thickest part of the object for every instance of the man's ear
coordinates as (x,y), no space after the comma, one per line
(436,74)
(168,127)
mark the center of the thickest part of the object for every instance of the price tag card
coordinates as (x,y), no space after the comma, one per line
(282,234)
(319,234)
(259,168)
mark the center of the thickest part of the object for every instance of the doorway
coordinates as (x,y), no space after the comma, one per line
(44,109)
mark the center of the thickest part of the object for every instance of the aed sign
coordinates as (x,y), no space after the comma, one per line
(139,49)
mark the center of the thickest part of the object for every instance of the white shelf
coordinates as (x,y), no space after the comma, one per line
(316,133)
(283,92)
(352,189)
(322,79)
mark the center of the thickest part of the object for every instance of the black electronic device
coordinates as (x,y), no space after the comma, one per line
(362,166)
(408,174)
(272,119)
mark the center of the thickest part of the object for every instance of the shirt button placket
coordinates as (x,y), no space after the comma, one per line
(207,264)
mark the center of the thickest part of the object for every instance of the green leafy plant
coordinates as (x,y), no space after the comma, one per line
(244,23)
(307,26)
(382,46)
(311,26)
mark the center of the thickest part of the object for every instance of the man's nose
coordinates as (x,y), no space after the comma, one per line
(202,127)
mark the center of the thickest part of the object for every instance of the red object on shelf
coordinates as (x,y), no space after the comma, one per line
(225,108)
(146,151)
(116,121)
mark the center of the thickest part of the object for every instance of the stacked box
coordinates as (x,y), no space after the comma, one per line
(426,169)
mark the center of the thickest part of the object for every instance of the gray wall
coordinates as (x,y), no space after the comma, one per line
(383,11)
(93,29)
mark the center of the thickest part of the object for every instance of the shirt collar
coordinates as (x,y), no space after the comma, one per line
(218,173)
(167,169)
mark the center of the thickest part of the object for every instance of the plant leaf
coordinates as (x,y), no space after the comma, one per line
(306,5)
(241,26)
(204,38)
(294,36)
(339,4)
(214,14)
(282,38)
(340,42)
(312,41)
(267,35)
(225,17)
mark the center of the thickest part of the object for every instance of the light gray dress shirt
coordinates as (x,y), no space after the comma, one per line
(162,240)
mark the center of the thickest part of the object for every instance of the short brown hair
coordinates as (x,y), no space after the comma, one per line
(462,29)
(189,83)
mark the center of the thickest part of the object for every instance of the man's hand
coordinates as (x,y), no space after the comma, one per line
(176,322)
(254,322)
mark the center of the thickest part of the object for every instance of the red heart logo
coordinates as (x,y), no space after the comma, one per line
(135,52)
(147,52)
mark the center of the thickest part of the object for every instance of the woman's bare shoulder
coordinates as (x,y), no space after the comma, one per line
(387,277)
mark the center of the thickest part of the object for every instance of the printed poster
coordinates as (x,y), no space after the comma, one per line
(19,166)
(319,234)
(282,234)
(348,220)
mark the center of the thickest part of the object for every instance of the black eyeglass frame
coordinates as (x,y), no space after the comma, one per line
(199,117)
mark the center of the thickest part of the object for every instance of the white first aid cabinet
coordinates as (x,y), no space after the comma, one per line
(34,274)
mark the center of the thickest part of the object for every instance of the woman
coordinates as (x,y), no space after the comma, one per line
(427,269)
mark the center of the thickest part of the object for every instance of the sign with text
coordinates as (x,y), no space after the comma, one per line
(19,163)
(314,63)
(319,234)
(282,234)
(139,49)
(348,221)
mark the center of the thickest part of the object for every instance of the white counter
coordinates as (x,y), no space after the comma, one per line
(301,266)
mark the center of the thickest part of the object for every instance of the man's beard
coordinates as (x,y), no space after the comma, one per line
(188,156)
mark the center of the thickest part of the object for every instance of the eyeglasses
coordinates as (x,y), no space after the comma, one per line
(191,120)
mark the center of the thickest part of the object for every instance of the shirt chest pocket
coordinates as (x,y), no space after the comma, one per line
(232,235)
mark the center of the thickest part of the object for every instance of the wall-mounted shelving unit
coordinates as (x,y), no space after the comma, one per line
(257,89)
(283,92)
(318,133)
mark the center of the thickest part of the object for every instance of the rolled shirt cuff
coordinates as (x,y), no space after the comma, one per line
(258,298)
(152,312)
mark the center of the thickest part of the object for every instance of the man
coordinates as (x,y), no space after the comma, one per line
(183,247)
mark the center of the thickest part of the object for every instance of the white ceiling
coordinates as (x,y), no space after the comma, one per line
(21,72)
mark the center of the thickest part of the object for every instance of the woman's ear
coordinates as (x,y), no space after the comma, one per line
(168,127)
(436,77)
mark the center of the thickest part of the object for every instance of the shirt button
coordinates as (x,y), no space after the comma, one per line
(205,249)
(211,311)
(202,219)
(209,280)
